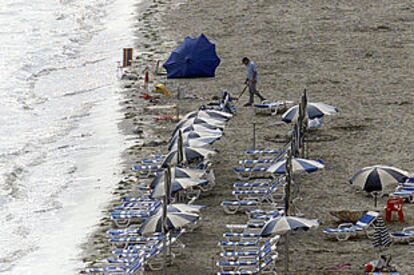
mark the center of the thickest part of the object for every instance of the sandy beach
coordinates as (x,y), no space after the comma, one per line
(356,55)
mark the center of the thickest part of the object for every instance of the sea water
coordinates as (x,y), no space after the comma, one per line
(59,142)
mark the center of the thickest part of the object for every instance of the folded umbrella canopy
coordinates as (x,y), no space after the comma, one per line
(212,114)
(195,57)
(179,173)
(194,139)
(177,184)
(202,128)
(210,123)
(189,154)
(313,110)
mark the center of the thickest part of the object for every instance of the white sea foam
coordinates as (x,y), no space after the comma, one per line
(59,142)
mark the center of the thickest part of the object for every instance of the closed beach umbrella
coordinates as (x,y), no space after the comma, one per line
(177,173)
(376,178)
(194,139)
(195,57)
(177,184)
(284,224)
(182,207)
(212,114)
(211,122)
(175,220)
(298,165)
(204,129)
(382,237)
(189,154)
(313,110)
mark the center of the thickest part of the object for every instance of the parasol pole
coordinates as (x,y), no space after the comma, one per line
(167,184)
(180,155)
(304,122)
(287,202)
(254,135)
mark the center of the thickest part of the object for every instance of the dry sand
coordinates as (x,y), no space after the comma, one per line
(356,55)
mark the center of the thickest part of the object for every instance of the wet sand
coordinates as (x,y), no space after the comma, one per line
(356,55)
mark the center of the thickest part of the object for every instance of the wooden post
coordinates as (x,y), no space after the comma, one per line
(127,57)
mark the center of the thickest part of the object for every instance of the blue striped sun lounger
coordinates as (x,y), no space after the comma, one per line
(147,170)
(404,194)
(347,230)
(139,205)
(264,152)
(246,173)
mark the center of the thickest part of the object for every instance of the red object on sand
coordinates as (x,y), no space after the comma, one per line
(147,97)
(394,205)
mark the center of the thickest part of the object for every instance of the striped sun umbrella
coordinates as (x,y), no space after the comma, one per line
(376,178)
(189,154)
(382,237)
(298,165)
(313,110)
(284,224)
(175,220)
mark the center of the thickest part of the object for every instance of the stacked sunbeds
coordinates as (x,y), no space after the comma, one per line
(138,238)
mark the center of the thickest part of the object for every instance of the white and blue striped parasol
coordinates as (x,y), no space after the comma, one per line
(175,220)
(189,154)
(298,165)
(376,178)
(282,225)
(313,110)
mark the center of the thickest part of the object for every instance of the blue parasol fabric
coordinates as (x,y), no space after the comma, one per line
(195,57)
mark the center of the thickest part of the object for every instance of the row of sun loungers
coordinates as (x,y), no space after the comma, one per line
(243,250)
(133,249)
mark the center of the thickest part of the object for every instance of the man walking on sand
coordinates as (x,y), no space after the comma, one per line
(251,80)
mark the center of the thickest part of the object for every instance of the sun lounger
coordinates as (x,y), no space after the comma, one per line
(407,195)
(252,257)
(404,236)
(249,163)
(265,152)
(140,205)
(146,171)
(347,230)
(267,266)
(251,185)
(269,106)
(244,173)
(123,218)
